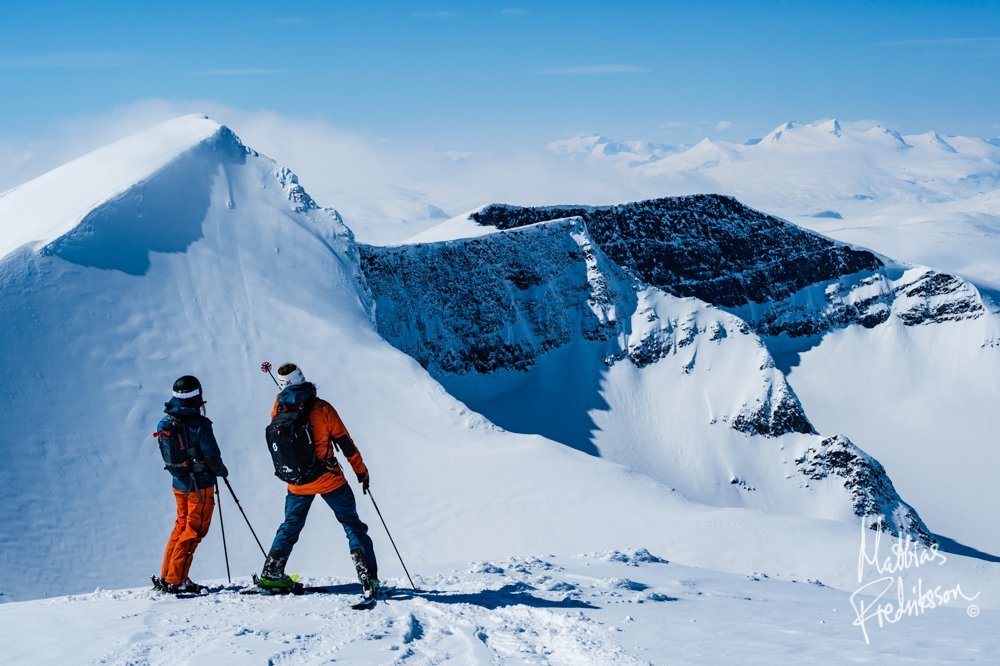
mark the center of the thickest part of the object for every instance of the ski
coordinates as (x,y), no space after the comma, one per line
(366,604)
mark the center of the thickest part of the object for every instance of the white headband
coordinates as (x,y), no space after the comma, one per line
(188,394)
(294,377)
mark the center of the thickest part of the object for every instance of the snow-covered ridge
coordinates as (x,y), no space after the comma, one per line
(914,295)
(595,146)
(778,277)
(41,210)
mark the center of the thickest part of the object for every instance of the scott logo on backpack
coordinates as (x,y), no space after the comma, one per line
(290,441)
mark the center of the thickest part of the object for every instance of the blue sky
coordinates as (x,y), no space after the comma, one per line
(493,73)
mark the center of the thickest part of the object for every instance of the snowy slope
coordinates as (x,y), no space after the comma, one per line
(206,266)
(922,399)
(623,607)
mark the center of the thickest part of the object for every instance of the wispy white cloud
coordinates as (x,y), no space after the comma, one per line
(442,14)
(595,69)
(941,41)
(94,60)
(723,125)
(246,71)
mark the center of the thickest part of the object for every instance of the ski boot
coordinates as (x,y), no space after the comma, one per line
(273,578)
(160,585)
(369,583)
(190,587)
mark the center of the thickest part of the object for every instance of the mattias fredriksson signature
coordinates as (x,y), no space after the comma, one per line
(874,601)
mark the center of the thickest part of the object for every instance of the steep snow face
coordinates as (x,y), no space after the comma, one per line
(671,386)
(105,319)
(923,400)
(95,337)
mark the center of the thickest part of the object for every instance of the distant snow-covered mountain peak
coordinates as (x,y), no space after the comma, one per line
(923,198)
(597,146)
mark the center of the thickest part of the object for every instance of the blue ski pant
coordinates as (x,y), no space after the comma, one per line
(344,507)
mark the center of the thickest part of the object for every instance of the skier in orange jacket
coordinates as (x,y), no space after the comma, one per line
(324,478)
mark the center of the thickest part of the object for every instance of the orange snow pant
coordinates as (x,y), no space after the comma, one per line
(194,515)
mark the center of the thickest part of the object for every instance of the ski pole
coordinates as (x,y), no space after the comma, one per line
(222,525)
(266,367)
(415,588)
(240,507)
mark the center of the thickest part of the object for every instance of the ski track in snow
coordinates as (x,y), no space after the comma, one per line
(619,607)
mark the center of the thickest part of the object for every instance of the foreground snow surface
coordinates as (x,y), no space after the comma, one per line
(619,607)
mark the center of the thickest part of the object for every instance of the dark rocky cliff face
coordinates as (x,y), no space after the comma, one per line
(498,302)
(711,247)
(491,303)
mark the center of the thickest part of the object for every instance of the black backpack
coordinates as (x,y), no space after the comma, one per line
(178,453)
(290,441)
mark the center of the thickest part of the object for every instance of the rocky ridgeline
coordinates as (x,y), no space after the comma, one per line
(868,484)
(711,247)
(917,296)
(757,266)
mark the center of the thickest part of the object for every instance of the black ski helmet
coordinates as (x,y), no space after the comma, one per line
(188,388)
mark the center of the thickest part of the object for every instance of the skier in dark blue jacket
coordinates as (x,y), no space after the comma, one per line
(192,457)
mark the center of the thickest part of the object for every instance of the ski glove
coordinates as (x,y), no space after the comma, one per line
(363,480)
(218,467)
